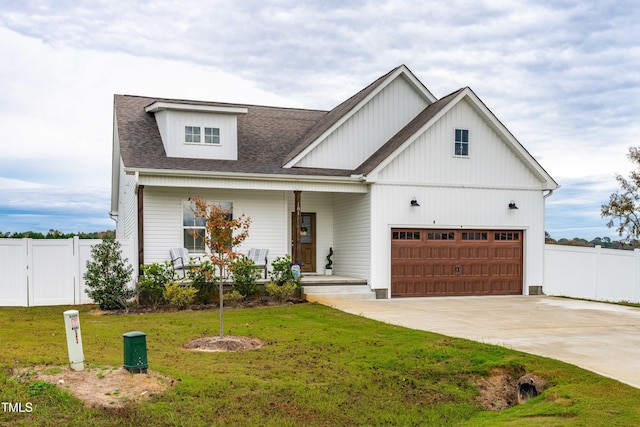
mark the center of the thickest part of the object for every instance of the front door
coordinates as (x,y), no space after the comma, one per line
(307,240)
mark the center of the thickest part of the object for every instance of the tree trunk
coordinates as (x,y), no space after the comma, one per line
(221,310)
(221,292)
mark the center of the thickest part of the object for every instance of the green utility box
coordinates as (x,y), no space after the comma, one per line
(135,352)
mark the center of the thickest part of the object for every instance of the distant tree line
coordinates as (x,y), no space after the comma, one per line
(55,234)
(604,242)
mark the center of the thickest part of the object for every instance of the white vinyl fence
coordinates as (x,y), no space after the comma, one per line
(50,271)
(47,271)
(592,273)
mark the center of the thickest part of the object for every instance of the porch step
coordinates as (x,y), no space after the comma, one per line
(319,292)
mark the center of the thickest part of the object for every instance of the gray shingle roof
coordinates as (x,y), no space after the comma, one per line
(265,136)
(268,137)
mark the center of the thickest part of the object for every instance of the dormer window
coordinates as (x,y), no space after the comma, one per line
(212,135)
(198,131)
(191,134)
(461,148)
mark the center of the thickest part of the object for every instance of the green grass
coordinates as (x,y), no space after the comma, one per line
(321,367)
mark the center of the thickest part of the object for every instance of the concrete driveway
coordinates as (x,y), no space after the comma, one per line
(603,338)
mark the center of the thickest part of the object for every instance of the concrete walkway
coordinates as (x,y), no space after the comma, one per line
(603,338)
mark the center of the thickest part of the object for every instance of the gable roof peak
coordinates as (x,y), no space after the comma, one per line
(347,108)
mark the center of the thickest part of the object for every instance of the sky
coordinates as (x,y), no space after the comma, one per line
(563,76)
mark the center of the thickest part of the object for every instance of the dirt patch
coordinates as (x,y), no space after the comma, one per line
(116,387)
(103,387)
(503,390)
(227,343)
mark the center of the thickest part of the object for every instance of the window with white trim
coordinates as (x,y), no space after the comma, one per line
(192,134)
(461,143)
(212,135)
(193,226)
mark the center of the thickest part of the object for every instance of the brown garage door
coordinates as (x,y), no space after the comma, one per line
(427,262)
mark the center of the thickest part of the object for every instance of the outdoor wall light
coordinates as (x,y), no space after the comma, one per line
(512,205)
(414,202)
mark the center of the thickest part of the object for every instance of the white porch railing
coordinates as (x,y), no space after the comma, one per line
(46,271)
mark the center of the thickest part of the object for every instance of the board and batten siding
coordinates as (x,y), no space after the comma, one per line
(430,158)
(171,124)
(127,224)
(352,235)
(455,208)
(368,129)
(322,204)
(163,219)
(457,192)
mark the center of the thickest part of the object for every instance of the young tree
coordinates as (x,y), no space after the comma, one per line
(222,234)
(108,276)
(624,205)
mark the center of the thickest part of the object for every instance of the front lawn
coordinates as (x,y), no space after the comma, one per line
(320,366)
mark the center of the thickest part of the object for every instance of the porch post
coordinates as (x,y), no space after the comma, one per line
(140,229)
(297,256)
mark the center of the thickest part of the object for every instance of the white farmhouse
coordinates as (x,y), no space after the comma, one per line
(417,196)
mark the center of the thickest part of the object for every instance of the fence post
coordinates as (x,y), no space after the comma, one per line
(636,276)
(597,273)
(28,243)
(75,263)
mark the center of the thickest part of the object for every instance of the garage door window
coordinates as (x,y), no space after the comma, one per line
(406,235)
(441,235)
(506,236)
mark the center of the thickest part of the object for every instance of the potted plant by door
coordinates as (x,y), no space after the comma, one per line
(328,269)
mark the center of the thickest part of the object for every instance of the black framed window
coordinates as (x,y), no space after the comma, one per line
(462,142)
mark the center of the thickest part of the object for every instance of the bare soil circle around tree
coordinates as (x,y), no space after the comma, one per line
(227,343)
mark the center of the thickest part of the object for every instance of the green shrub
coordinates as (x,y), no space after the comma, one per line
(233,297)
(108,275)
(245,276)
(151,283)
(203,278)
(179,295)
(281,293)
(281,272)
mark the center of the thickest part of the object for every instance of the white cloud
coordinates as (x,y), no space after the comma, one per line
(8,184)
(58,110)
(561,75)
